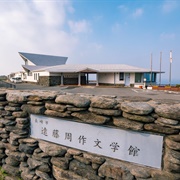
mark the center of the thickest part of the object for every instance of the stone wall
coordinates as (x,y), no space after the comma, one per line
(56,80)
(37,159)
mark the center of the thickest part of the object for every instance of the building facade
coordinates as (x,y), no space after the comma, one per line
(38,69)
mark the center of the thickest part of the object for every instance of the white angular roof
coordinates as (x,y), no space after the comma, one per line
(43,60)
(74,68)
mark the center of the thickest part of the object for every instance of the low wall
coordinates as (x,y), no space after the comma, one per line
(56,80)
(32,158)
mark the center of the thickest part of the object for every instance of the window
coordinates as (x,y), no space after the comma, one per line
(36,76)
(138,77)
(29,73)
(121,76)
(150,77)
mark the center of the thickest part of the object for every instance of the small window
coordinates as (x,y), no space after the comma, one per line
(121,76)
(138,77)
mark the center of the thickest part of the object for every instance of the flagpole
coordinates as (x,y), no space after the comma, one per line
(151,68)
(170,67)
(160,68)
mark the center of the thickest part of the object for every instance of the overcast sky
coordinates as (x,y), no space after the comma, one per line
(92,31)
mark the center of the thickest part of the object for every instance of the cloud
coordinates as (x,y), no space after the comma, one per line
(97,46)
(116,28)
(98,18)
(138,13)
(122,8)
(82,26)
(169,6)
(167,36)
(37,27)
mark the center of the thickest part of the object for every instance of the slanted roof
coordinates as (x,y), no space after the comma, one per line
(101,68)
(33,68)
(43,60)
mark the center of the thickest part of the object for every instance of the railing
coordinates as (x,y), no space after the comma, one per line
(7,85)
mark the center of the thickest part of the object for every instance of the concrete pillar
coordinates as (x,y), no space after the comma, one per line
(87,80)
(62,83)
(97,79)
(79,79)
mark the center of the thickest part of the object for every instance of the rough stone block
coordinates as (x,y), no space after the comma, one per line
(160,129)
(91,117)
(33,109)
(60,162)
(115,170)
(127,124)
(104,103)
(145,119)
(59,173)
(106,112)
(55,107)
(139,108)
(173,142)
(56,113)
(169,111)
(75,100)
(52,149)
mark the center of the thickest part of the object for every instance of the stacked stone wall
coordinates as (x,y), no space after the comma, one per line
(56,80)
(37,159)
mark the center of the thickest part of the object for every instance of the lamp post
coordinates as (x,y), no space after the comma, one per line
(144,83)
(160,68)
(170,68)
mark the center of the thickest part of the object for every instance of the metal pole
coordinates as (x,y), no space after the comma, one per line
(160,68)
(151,69)
(170,68)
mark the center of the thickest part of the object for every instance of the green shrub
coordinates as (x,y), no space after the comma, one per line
(2,174)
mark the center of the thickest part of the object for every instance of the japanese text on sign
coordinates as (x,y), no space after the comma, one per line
(141,148)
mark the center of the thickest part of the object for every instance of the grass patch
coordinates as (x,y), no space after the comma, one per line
(3,174)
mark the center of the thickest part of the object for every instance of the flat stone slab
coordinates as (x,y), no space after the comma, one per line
(75,100)
(52,149)
(160,129)
(127,124)
(107,112)
(146,119)
(170,111)
(91,117)
(104,103)
(139,108)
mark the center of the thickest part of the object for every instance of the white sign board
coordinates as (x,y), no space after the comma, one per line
(141,148)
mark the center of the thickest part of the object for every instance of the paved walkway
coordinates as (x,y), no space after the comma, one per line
(102,90)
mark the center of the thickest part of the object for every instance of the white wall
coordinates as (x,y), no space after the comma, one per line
(113,78)
(110,78)
(34,76)
(107,78)
(132,78)
(43,73)
(30,79)
(29,63)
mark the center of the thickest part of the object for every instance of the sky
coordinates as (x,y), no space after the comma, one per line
(92,32)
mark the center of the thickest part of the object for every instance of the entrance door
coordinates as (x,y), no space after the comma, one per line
(127,79)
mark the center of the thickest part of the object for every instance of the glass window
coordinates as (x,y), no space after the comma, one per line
(138,77)
(121,76)
(150,78)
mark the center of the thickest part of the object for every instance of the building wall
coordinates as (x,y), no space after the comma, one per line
(56,80)
(38,159)
(132,78)
(30,78)
(29,63)
(113,78)
(106,78)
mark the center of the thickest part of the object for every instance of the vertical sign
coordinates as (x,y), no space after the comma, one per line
(141,148)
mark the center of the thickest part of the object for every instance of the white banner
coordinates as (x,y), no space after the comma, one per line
(141,148)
